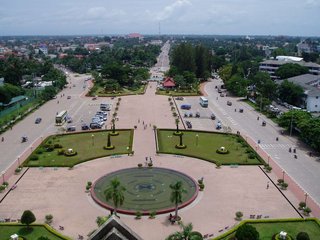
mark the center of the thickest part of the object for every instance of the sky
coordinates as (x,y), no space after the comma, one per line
(221,17)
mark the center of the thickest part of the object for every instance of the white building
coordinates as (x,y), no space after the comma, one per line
(311,85)
(271,66)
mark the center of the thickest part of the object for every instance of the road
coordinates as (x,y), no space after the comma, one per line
(162,65)
(303,169)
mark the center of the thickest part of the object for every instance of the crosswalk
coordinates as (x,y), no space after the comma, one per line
(275,146)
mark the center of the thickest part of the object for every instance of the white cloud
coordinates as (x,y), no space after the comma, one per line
(171,9)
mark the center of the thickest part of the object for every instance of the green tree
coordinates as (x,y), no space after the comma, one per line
(101,220)
(290,70)
(115,192)
(237,85)
(290,92)
(303,236)
(185,234)
(176,195)
(247,232)
(27,218)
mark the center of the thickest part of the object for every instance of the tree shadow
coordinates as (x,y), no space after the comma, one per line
(24,231)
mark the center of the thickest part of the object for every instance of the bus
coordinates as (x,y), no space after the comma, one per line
(61,117)
(203,102)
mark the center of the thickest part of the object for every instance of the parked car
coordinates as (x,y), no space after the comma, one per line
(263,123)
(85,126)
(218,126)
(69,119)
(95,125)
(186,106)
(241,110)
(38,120)
(213,117)
(189,124)
(229,103)
(221,95)
(71,128)
(219,90)
(179,98)
(69,97)
(190,114)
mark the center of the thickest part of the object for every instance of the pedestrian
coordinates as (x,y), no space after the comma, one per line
(277,139)
(267,185)
(294,150)
(143,122)
(58,102)
(2,139)
(258,118)
(295,156)
(139,120)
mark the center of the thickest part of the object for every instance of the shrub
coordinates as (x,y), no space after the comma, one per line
(2,188)
(138,215)
(251,155)
(6,184)
(48,218)
(174,114)
(246,232)
(201,187)
(34,157)
(268,168)
(57,145)
(88,187)
(239,215)
(150,164)
(284,185)
(303,236)
(89,183)
(153,214)
(18,170)
(49,148)
(139,165)
(307,211)
(218,165)
(43,238)
(61,151)
(302,205)
(39,151)
(280,181)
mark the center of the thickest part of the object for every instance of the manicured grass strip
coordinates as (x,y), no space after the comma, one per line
(267,228)
(178,93)
(88,147)
(99,91)
(36,231)
(205,145)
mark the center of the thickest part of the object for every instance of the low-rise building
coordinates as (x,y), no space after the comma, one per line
(311,86)
(271,66)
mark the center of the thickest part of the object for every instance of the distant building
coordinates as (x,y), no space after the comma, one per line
(303,47)
(168,83)
(135,35)
(311,86)
(271,66)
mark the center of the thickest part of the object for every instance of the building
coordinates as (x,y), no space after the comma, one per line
(114,229)
(168,83)
(311,85)
(271,66)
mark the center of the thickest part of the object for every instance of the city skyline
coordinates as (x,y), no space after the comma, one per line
(203,17)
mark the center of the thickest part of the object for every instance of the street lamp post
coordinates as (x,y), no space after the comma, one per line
(283,172)
(92,137)
(197,139)
(305,199)
(2,173)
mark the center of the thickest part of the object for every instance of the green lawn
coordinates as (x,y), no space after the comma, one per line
(268,229)
(207,145)
(86,146)
(6,230)
(178,93)
(99,91)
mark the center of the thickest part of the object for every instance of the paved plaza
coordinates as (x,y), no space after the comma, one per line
(61,192)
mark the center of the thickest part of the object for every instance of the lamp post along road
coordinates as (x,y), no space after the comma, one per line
(197,139)
(92,136)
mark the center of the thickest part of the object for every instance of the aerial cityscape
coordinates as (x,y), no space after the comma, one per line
(175,119)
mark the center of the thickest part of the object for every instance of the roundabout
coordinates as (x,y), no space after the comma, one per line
(147,190)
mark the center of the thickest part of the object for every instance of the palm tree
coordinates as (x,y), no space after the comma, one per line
(115,192)
(185,234)
(177,124)
(176,195)
(113,125)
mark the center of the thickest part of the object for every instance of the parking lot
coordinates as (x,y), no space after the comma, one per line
(204,122)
